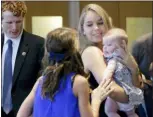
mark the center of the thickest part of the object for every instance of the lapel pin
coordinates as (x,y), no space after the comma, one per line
(23,53)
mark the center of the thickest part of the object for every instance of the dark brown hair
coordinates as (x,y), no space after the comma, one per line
(63,41)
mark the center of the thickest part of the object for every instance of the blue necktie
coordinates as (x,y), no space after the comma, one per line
(7,85)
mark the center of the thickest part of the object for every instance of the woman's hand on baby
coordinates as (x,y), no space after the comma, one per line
(122,51)
(102,91)
(128,59)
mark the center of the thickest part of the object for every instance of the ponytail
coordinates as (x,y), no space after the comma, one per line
(56,72)
(52,75)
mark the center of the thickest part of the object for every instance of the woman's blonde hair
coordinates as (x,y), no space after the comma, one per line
(100,11)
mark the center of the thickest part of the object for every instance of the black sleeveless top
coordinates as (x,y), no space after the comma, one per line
(93,84)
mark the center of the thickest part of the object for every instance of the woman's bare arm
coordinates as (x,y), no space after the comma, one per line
(136,77)
(130,62)
(27,105)
(100,93)
(81,90)
(93,61)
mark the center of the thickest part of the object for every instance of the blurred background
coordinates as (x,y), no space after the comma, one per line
(44,16)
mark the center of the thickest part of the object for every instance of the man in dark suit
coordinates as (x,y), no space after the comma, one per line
(143,53)
(22,53)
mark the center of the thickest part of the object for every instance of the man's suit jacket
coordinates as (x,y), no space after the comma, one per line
(143,53)
(27,66)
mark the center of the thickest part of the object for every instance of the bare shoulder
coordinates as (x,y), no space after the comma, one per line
(92,56)
(40,79)
(80,80)
(91,51)
(80,84)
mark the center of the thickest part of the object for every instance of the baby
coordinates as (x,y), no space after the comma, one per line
(114,42)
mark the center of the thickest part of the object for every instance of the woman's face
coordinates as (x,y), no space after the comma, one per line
(93,27)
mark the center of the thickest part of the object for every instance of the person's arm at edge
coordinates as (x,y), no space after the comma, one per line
(81,90)
(93,61)
(26,107)
(137,54)
(99,94)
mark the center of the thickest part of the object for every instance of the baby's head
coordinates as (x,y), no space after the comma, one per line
(113,40)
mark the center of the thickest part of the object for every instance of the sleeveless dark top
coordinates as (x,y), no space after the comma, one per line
(93,84)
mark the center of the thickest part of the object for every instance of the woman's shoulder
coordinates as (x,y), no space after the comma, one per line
(80,80)
(91,56)
(80,83)
(91,52)
(39,80)
(92,49)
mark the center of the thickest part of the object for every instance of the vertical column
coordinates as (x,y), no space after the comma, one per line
(74,13)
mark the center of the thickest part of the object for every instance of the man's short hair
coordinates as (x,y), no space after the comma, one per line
(18,8)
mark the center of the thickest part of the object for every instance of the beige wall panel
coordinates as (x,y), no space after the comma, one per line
(46,8)
(134,9)
(139,10)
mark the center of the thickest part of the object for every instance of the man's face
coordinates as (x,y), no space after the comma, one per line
(12,25)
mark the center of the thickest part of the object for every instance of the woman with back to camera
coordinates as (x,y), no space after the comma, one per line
(63,90)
